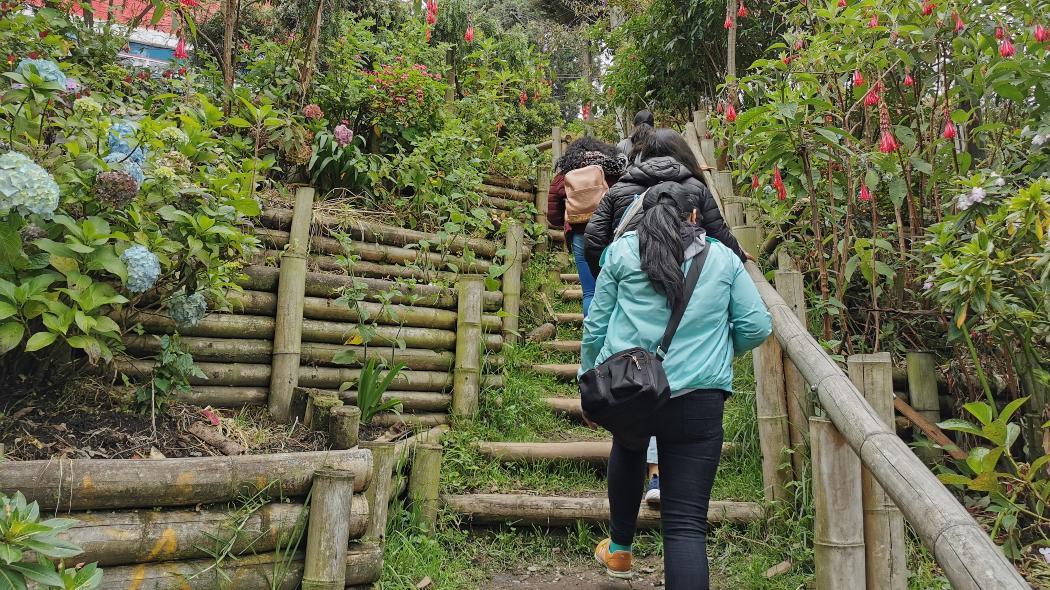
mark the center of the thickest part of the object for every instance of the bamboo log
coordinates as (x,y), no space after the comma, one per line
(922,393)
(512,194)
(556,236)
(364,565)
(380,253)
(415,421)
(371,231)
(561,345)
(432,436)
(224,397)
(796,392)
(569,406)
(885,545)
(568,318)
(773,430)
(962,548)
(543,333)
(512,282)
(424,483)
(344,427)
(589,451)
(918,421)
(144,536)
(317,331)
(496,180)
(501,204)
(244,375)
(557,511)
(384,457)
(571,294)
(323,308)
(411,401)
(838,529)
(233,350)
(288,319)
(263,278)
(96,484)
(543,185)
(467,377)
(319,406)
(556,147)
(362,268)
(324,566)
(564,372)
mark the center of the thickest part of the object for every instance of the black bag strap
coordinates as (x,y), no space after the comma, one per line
(676,314)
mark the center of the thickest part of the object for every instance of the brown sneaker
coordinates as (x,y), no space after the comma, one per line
(618,564)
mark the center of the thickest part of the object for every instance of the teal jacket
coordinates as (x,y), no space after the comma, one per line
(725,317)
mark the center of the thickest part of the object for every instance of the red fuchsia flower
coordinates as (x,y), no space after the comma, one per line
(720,107)
(874,22)
(778,183)
(469,35)
(928,7)
(182,71)
(11,59)
(729,22)
(742,12)
(312,111)
(999,33)
(730,113)
(865,194)
(586,111)
(1041,34)
(949,129)
(523,98)
(180,50)
(858,78)
(872,97)
(959,24)
(909,81)
(1006,48)
(787,59)
(190,3)
(887,142)
(34,55)
(754,182)
(144,75)
(432,18)
(799,44)
(44,33)
(843,4)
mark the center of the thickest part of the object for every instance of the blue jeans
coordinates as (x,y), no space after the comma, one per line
(689,428)
(586,277)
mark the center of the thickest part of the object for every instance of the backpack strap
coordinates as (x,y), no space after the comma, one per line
(691,279)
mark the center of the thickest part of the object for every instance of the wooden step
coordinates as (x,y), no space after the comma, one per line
(561,345)
(568,318)
(571,294)
(563,372)
(589,451)
(567,511)
(570,278)
(568,406)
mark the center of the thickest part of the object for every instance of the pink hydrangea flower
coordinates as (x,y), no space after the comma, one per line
(343,134)
(312,111)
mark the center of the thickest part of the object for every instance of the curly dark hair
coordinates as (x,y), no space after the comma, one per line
(574,155)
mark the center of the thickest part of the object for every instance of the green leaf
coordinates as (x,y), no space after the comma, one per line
(11,334)
(1010,408)
(7,310)
(980,410)
(39,573)
(40,340)
(961,426)
(953,479)
(1009,91)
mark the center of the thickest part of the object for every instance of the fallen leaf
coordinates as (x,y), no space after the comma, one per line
(211,416)
(154,453)
(781,568)
(425,583)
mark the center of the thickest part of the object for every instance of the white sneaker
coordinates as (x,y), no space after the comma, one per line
(652,495)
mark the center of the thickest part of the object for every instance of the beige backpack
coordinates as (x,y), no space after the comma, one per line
(584,187)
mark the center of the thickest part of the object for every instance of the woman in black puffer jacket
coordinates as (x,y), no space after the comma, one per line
(665,157)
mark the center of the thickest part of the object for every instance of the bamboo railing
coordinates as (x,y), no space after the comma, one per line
(965,552)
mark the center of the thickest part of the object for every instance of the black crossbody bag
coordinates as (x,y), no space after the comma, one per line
(631,385)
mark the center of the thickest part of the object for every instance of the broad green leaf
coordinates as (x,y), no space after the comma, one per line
(1010,408)
(7,310)
(980,410)
(953,479)
(40,340)
(11,334)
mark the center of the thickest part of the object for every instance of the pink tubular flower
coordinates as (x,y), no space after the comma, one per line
(343,135)
(872,97)
(842,4)
(959,24)
(887,142)
(742,12)
(778,183)
(586,111)
(469,35)
(865,194)
(754,182)
(1041,34)
(874,22)
(180,50)
(312,111)
(729,22)
(999,33)
(858,78)
(908,80)
(928,7)
(730,113)
(1006,48)
(522,98)
(949,130)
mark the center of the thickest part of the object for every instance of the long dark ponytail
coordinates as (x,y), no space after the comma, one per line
(660,246)
(643,129)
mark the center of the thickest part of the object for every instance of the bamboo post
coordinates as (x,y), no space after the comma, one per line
(700,123)
(543,187)
(466,386)
(922,393)
(796,392)
(319,406)
(512,281)
(747,235)
(838,530)
(555,147)
(424,483)
(773,432)
(884,541)
(344,427)
(384,458)
(291,288)
(328,535)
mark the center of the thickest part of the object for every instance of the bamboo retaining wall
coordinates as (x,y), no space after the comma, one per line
(859,541)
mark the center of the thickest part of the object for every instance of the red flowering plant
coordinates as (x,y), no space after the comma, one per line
(403,98)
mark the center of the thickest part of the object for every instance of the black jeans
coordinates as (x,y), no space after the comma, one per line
(688,431)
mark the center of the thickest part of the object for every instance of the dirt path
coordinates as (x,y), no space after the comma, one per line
(579,575)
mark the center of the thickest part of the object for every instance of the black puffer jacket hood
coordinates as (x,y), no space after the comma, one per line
(639,177)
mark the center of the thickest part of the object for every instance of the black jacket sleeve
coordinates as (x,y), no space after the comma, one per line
(714,225)
(599,233)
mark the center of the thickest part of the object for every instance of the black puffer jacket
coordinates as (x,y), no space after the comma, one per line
(635,181)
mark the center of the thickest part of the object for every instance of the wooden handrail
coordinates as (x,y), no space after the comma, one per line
(968,556)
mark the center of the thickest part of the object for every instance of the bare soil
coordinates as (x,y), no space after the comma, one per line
(579,575)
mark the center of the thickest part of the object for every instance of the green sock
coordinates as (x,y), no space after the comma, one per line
(613,548)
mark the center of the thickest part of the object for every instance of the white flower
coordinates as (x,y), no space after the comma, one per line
(1045,551)
(998,180)
(977,194)
(1038,140)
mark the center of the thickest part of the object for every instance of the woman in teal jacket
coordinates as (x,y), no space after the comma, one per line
(642,279)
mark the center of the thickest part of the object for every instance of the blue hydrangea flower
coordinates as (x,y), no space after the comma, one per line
(121,134)
(27,187)
(187,310)
(143,268)
(130,165)
(47,69)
